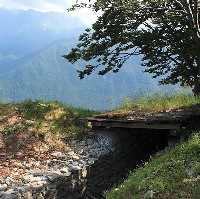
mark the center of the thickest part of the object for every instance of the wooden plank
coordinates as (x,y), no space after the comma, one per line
(135,125)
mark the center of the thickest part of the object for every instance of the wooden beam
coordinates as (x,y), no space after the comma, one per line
(134,125)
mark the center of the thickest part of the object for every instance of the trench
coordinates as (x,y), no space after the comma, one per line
(135,146)
(124,149)
(129,148)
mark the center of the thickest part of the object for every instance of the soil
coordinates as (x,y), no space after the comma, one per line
(20,145)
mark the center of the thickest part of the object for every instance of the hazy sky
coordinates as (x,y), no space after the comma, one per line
(86,15)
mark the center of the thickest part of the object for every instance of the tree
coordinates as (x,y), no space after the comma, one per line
(165,32)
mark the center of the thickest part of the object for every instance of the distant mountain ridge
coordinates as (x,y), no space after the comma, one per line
(25,31)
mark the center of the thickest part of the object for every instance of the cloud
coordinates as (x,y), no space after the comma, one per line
(39,5)
(86,15)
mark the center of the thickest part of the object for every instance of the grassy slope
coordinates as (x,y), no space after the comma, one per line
(48,122)
(160,102)
(173,175)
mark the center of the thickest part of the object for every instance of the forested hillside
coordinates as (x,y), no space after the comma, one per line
(46,75)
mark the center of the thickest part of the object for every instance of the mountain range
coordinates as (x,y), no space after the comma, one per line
(32,67)
(25,31)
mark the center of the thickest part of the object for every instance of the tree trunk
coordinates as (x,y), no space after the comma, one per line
(196,89)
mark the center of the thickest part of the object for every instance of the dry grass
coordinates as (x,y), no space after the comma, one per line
(159,102)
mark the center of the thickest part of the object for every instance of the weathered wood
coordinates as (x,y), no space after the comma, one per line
(134,125)
(174,119)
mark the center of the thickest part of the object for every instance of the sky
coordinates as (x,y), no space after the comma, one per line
(86,15)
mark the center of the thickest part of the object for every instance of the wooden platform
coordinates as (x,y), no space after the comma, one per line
(174,119)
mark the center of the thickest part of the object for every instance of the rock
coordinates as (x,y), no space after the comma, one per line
(64,170)
(91,160)
(52,177)
(84,172)
(75,168)
(83,162)
(73,142)
(9,181)
(44,167)
(38,185)
(160,153)
(90,141)
(21,189)
(71,153)
(29,122)
(191,165)
(67,174)
(27,178)
(3,187)
(35,174)
(148,194)
(83,143)
(9,194)
(56,153)
(76,157)
(191,174)
(70,161)
(91,134)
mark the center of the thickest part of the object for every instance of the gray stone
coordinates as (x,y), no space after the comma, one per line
(90,141)
(83,143)
(73,142)
(109,139)
(67,174)
(76,157)
(148,194)
(75,169)
(91,134)
(52,177)
(38,185)
(160,153)
(191,174)
(191,165)
(64,170)
(71,153)
(3,187)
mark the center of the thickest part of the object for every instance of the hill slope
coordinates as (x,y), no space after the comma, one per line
(175,174)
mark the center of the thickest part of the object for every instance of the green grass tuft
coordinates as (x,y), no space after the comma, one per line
(159,102)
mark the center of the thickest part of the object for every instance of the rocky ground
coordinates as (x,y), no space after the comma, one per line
(33,168)
(31,154)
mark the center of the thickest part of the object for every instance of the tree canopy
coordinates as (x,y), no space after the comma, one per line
(165,32)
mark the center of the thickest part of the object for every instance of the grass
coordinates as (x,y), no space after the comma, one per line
(60,118)
(159,102)
(43,118)
(175,175)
